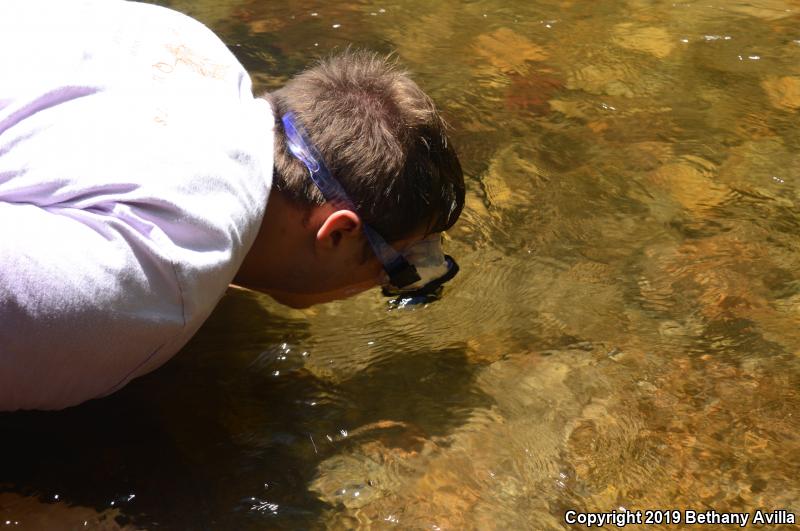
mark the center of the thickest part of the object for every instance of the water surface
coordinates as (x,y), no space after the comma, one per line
(624,332)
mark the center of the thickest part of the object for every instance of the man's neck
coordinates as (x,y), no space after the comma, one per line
(279,241)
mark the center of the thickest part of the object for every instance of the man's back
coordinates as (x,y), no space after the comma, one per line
(134,170)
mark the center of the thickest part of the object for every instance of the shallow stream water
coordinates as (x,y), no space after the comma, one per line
(624,332)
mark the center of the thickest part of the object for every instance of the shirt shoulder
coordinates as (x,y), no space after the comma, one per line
(109,44)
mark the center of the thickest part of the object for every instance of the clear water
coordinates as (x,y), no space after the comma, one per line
(624,332)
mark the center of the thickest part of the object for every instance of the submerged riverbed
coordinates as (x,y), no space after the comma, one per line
(623,335)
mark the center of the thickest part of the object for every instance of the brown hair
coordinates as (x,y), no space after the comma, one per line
(381,138)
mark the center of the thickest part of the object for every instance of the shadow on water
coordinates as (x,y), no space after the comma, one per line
(217,439)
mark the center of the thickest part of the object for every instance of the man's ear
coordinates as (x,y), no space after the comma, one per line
(339,225)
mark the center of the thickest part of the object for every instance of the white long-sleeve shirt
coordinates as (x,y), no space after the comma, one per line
(135,166)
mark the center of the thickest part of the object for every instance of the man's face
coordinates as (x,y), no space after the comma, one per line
(341,275)
(303,256)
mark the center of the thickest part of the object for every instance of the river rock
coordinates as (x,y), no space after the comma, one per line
(652,40)
(783,92)
(512,177)
(507,50)
(690,183)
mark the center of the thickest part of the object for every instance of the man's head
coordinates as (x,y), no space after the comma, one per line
(381,137)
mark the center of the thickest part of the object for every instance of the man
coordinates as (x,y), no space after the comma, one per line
(139,177)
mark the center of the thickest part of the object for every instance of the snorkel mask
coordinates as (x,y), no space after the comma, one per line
(414,277)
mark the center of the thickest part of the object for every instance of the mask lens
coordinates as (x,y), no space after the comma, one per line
(433,268)
(430,292)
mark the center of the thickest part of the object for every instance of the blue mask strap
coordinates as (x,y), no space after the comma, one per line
(401,272)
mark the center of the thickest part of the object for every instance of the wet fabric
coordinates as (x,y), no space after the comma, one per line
(135,166)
